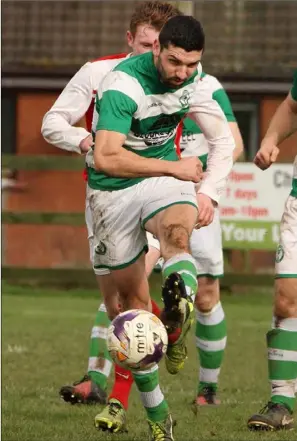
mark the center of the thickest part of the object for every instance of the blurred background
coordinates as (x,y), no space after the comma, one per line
(251,48)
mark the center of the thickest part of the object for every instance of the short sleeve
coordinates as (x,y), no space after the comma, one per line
(115,111)
(118,98)
(221,97)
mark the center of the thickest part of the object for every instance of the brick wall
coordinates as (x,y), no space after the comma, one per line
(48,191)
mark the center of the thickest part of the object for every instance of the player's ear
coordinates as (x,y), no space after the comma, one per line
(130,38)
(156,48)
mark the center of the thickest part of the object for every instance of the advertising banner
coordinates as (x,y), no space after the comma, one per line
(252,206)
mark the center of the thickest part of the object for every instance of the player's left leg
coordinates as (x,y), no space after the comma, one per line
(211,336)
(282,338)
(118,230)
(113,416)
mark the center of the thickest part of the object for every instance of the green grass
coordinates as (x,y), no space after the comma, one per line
(45,345)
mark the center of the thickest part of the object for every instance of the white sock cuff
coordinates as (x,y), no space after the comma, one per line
(215,316)
(178,258)
(287,324)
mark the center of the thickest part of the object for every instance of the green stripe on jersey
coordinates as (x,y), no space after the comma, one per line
(100,181)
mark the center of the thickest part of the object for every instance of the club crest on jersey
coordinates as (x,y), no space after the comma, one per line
(184,99)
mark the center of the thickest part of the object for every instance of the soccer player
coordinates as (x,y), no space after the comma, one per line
(135,182)
(76,100)
(282,338)
(206,246)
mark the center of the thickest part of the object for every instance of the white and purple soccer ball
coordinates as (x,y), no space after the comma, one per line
(137,339)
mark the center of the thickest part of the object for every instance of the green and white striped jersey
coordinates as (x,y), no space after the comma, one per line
(193,142)
(294,96)
(133,101)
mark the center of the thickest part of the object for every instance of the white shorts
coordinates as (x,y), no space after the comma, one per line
(91,239)
(206,247)
(286,254)
(119,217)
(152,241)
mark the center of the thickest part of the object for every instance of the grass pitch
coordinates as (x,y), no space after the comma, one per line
(45,339)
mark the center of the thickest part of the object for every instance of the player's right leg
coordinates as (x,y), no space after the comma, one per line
(121,246)
(171,215)
(282,338)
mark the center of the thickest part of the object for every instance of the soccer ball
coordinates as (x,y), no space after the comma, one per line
(136,339)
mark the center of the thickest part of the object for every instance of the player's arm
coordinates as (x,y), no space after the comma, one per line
(239,147)
(282,125)
(220,95)
(68,109)
(208,115)
(118,100)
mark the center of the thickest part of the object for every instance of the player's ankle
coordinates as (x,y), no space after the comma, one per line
(98,379)
(174,336)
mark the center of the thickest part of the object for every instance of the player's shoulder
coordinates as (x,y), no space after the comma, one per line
(134,66)
(107,63)
(97,69)
(210,82)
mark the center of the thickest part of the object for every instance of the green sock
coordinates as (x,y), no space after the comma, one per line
(211,337)
(282,362)
(100,362)
(185,265)
(151,395)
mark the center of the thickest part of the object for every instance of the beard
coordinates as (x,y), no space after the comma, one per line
(173,82)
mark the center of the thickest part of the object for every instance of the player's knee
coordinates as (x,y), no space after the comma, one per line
(208,294)
(285,303)
(176,236)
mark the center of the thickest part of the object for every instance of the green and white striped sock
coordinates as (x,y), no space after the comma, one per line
(185,265)
(211,338)
(151,395)
(100,362)
(282,361)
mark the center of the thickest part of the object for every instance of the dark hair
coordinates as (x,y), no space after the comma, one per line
(152,13)
(182,31)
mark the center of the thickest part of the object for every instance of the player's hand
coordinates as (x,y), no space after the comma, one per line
(188,169)
(206,207)
(86,144)
(267,154)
